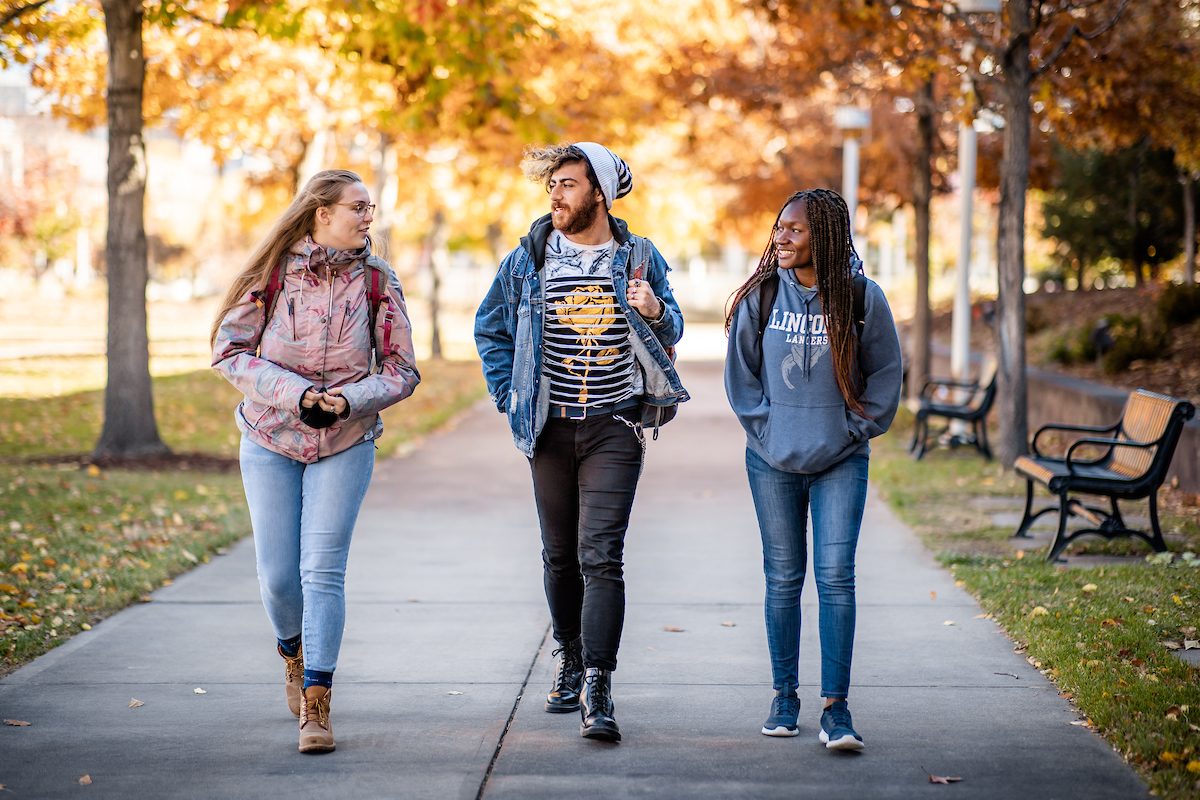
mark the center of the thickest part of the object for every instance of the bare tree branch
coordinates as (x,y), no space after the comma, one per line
(15,13)
(1074,31)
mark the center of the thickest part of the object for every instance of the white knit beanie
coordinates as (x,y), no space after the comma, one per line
(613,173)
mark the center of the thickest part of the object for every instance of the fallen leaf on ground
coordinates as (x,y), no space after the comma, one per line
(1173,713)
(198,690)
(933,595)
(135,703)
(17,723)
(85,780)
(1193,766)
(453,694)
(1170,645)
(1020,555)
(1191,644)
(1089,587)
(672,629)
(946,779)
(948,622)
(1009,674)
(1081,723)
(728,624)
(1039,611)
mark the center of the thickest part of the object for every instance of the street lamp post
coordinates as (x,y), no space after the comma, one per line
(960,328)
(852,121)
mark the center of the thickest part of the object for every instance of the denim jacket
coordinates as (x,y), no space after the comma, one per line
(509,329)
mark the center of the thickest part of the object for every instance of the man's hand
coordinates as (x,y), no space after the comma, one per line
(641,297)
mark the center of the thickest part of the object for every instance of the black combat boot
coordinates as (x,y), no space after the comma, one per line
(568,679)
(597,706)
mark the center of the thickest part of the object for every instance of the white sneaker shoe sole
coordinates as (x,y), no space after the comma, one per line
(780,730)
(847,743)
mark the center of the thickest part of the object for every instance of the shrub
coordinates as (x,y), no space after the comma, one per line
(1179,303)
(1132,340)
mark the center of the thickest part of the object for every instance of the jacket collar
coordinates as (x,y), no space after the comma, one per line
(534,242)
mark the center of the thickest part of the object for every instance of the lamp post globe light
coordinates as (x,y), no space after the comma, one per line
(852,121)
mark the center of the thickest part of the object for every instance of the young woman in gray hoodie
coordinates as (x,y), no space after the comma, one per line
(812,377)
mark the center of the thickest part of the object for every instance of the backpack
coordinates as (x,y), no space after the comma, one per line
(376,297)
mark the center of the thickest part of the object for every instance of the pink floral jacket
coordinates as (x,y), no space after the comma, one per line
(316,337)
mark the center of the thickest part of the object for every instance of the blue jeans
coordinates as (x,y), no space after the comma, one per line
(303,516)
(782,501)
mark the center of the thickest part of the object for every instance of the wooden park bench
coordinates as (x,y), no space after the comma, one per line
(1127,460)
(937,400)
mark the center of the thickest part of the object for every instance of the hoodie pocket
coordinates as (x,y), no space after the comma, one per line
(806,438)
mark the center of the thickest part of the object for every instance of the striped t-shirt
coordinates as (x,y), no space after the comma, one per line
(586,352)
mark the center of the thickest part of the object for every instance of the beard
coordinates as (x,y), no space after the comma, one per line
(581,218)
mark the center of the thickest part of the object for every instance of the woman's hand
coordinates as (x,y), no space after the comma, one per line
(641,297)
(332,400)
(310,399)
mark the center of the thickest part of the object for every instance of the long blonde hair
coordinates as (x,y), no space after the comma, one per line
(322,190)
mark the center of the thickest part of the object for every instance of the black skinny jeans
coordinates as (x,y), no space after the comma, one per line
(585,473)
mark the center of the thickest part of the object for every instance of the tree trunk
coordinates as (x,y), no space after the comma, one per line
(919,342)
(1131,218)
(1011,394)
(1189,228)
(386,192)
(435,249)
(129,427)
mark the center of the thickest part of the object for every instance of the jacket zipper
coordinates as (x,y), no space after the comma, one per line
(342,328)
(292,317)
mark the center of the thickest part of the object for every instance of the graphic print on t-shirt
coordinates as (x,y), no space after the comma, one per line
(586,349)
(806,333)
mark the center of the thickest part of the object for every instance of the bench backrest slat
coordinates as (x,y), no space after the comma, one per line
(1145,419)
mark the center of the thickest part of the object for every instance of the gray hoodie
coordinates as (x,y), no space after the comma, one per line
(785,393)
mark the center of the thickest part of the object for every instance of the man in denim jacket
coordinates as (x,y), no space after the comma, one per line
(575,335)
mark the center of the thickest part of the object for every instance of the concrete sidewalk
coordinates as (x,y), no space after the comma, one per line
(446,657)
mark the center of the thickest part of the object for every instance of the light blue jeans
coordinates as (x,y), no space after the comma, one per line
(782,501)
(303,516)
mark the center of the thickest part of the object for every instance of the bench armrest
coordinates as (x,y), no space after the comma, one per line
(1111,444)
(933,384)
(1056,426)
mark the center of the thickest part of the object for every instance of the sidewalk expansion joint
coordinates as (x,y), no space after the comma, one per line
(512,714)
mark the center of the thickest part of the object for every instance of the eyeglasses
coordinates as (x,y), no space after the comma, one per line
(360,209)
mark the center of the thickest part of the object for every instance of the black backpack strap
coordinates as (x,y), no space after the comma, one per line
(860,303)
(767,291)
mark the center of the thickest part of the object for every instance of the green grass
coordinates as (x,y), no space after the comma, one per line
(78,543)
(1097,632)
(195,414)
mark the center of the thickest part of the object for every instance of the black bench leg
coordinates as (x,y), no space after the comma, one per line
(1027,519)
(981,440)
(920,437)
(1060,538)
(1156,540)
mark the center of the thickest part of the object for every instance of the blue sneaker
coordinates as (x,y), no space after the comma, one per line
(837,729)
(785,709)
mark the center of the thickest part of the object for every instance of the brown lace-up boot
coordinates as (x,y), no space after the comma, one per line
(293,679)
(316,733)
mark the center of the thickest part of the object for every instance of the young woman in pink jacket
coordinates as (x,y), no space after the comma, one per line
(315,334)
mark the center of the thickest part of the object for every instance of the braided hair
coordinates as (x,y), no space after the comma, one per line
(832,248)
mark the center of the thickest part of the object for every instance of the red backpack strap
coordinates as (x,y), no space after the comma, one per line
(376,298)
(265,298)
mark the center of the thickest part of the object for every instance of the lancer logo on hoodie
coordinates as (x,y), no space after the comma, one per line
(808,337)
